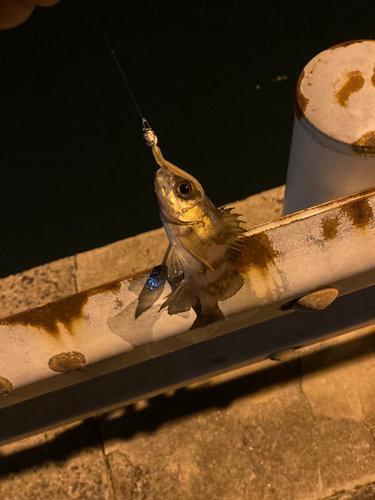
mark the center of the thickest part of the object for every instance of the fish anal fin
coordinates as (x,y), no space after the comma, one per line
(180,300)
(230,283)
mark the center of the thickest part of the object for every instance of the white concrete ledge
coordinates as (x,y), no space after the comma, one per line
(329,246)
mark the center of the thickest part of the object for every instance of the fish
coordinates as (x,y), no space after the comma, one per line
(204,243)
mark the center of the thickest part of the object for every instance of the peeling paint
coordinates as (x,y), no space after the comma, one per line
(316,301)
(359,213)
(329,227)
(257,253)
(365,145)
(65,311)
(67,361)
(346,44)
(301,99)
(354,83)
(5,386)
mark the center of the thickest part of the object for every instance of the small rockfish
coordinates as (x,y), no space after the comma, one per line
(204,242)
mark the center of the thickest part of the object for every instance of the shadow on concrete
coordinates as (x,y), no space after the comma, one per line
(67,443)
(183,403)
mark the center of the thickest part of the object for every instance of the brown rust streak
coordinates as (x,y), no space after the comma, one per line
(65,311)
(354,83)
(346,44)
(257,252)
(359,213)
(5,386)
(301,99)
(329,227)
(365,145)
(373,77)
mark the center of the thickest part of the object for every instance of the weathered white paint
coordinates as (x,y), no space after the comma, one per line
(109,337)
(332,152)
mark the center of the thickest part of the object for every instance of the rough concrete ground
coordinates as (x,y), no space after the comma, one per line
(300,429)
(268,431)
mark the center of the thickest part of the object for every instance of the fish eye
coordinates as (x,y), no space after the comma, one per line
(185,189)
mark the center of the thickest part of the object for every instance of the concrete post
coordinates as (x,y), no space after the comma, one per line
(333,144)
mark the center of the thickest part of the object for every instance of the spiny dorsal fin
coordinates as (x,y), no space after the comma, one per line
(231,221)
(232,233)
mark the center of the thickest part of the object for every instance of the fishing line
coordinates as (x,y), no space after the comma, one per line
(145,124)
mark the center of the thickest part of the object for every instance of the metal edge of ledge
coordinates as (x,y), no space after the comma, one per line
(81,339)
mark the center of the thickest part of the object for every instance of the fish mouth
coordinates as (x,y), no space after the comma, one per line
(162,183)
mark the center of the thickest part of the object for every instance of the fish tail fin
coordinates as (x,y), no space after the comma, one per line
(206,319)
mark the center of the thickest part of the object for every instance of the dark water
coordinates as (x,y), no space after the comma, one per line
(75,173)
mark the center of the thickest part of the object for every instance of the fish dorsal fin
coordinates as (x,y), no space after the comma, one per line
(231,222)
(180,300)
(232,233)
(175,263)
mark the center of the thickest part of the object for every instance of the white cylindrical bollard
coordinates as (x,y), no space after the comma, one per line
(333,144)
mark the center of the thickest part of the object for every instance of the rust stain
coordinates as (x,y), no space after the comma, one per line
(5,386)
(65,311)
(346,44)
(301,99)
(365,145)
(67,361)
(329,227)
(373,77)
(354,83)
(359,213)
(257,252)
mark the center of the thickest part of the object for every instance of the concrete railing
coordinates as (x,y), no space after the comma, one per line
(86,353)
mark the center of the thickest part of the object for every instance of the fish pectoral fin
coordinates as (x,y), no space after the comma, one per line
(165,257)
(151,290)
(180,300)
(231,282)
(194,245)
(175,263)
